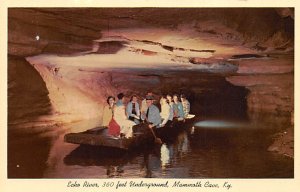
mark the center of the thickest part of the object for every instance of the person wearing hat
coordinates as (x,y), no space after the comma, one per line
(144,106)
(152,115)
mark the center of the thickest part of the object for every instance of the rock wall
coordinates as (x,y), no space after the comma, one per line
(66,30)
(27,92)
(78,92)
(271,90)
(271,96)
(32,31)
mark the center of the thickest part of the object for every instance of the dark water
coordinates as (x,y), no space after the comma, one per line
(222,143)
(231,150)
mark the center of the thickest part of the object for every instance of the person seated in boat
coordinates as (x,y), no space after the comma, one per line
(186,105)
(108,120)
(144,106)
(166,113)
(178,108)
(108,110)
(133,110)
(121,118)
(152,116)
(120,101)
(171,104)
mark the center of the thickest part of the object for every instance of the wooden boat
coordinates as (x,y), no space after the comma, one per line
(98,136)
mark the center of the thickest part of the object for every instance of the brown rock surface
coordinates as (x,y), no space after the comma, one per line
(79,26)
(77,89)
(271,96)
(271,83)
(284,143)
(27,92)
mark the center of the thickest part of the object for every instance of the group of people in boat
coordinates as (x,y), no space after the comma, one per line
(120,116)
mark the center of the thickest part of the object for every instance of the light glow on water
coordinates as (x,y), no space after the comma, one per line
(219,124)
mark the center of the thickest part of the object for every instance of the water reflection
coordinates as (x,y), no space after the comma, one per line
(190,153)
(146,166)
(114,171)
(155,161)
(164,156)
(183,144)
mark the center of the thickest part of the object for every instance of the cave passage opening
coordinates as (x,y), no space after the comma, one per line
(210,95)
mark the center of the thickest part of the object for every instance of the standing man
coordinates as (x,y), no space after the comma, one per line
(144,106)
(152,115)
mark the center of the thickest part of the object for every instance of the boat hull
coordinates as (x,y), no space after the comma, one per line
(141,136)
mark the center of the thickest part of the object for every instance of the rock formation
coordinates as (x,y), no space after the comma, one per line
(63,63)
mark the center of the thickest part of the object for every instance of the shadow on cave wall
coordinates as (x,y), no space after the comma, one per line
(27,92)
(210,95)
(27,100)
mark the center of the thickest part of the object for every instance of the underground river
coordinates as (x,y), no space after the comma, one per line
(223,142)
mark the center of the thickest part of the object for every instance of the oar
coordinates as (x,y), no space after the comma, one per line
(157,140)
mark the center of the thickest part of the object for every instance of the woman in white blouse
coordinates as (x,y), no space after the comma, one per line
(166,112)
